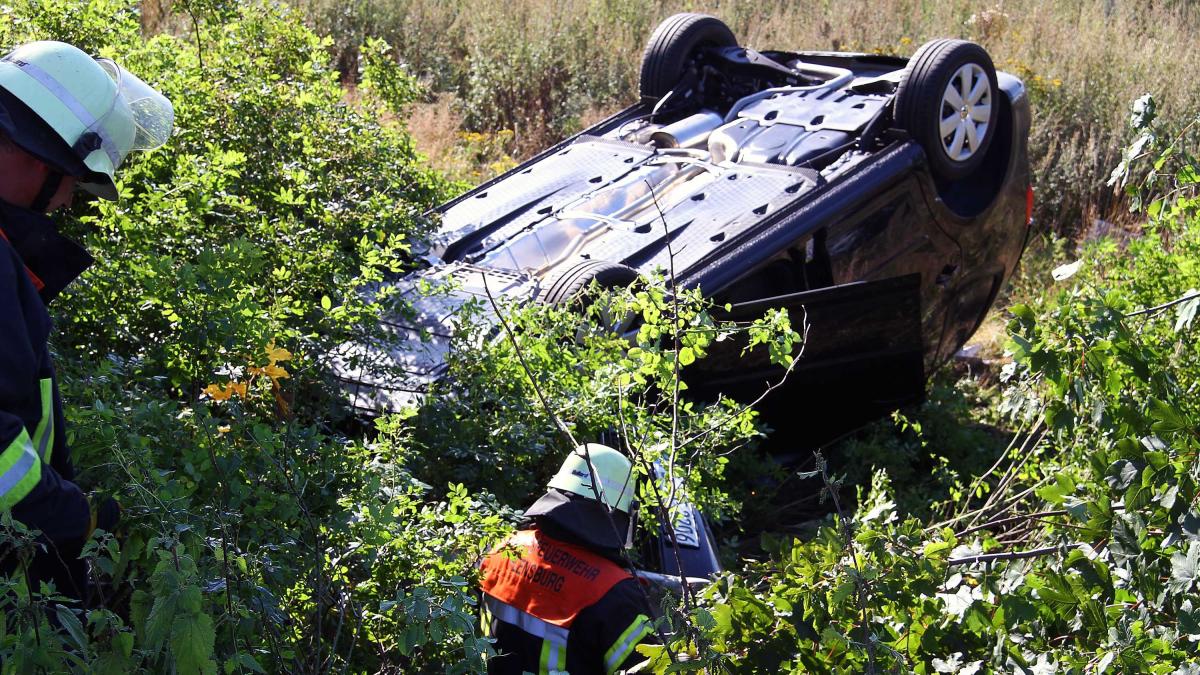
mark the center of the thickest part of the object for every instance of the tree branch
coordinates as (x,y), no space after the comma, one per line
(1011,555)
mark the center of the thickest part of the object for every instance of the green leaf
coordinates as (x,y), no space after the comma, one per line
(74,628)
(249,663)
(326,303)
(1185,567)
(139,610)
(843,591)
(1185,313)
(1127,533)
(1189,619)
(192,638)
(1121,474)
(686,356)
(1023,312)
(124,643)
(1057,491)
(937,548)
(1169,418)
(158,624)
(1138,495)
(1189,525)
(686,667)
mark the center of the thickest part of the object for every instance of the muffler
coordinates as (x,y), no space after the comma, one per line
(689,132)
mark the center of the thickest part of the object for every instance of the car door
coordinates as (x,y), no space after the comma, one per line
(871,289)
(896,235)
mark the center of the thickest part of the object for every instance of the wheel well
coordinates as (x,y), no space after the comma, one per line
(971,196)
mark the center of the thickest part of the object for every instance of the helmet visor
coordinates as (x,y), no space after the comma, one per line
(153,115)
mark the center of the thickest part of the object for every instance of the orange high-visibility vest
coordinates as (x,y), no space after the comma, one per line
(547,578)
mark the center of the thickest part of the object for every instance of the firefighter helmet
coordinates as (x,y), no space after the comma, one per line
(98,110)
(599,473)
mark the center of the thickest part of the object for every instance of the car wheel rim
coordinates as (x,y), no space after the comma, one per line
(966,112)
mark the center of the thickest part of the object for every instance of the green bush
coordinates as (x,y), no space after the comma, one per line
(255,535)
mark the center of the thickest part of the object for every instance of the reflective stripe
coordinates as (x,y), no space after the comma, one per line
(43,435)
(526,621)
(21,470)
(485,621)
(623,647)
(553,661)
(65,97)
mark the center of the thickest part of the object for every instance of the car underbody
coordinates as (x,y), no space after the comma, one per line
(886,199)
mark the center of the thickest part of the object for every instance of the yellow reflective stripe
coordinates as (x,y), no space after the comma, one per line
(553,658)
(20,470)
(623,647)
(43,435)
(485,620)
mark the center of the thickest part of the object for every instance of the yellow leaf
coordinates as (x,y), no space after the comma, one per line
(223,429)
(277,354)
(222,392)
(272,371)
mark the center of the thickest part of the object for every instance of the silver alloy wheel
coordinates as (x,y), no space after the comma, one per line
(966,112)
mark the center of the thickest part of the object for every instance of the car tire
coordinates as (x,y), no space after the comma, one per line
(948,102)
(572,285)
(673,45)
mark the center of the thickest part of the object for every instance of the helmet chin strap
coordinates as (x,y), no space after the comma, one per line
(49,188)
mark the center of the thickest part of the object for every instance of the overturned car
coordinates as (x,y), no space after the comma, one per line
(888,199)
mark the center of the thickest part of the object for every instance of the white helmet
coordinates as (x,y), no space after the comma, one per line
(99,110)
(612,482)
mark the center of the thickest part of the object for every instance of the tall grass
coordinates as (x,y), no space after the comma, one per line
(540,68)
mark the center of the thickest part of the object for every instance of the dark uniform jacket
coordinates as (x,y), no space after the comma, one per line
(557,607)
(36,263)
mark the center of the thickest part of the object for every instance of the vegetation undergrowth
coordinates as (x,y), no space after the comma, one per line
(265,530)
(256,533)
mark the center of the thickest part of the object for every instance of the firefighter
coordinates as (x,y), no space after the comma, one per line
(556,595)
(66,121)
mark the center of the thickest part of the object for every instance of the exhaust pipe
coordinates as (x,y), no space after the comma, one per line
(689,132)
